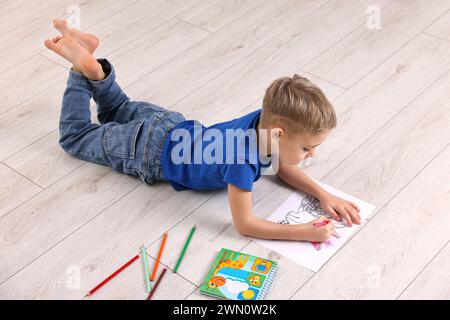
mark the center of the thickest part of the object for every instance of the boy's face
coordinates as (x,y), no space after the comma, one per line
(294,148)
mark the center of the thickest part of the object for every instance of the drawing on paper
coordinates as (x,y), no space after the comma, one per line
(309,209)
(299,207)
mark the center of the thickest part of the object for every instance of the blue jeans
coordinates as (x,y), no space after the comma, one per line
(130,135)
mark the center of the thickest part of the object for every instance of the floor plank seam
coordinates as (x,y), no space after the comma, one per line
(25,177)
(322,79)
(28,145)
(224,26)
(197,2)
(54,61)
(24,102)
(423,269)
(435,36)
(171,269)
(38,193)
(193,25)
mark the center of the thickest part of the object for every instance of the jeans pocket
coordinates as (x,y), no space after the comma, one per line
(121,139)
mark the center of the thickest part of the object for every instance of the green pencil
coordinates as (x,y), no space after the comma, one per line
(147,276)
(184,249)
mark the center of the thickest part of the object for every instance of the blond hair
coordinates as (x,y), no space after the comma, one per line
(297,105)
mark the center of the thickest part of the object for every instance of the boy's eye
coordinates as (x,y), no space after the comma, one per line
(306,150)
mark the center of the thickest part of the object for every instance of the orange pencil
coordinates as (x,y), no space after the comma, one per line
(161,247)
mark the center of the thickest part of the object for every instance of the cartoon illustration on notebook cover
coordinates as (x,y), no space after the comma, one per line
(238,276)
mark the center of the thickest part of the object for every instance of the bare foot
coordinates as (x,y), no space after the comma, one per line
(87,40)
(83,61)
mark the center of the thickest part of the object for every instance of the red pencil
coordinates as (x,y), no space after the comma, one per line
(161,247)
(321,223)
(112,276)
(157,283)
(324,223)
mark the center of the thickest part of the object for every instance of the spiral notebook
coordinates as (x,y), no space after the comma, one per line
(239,276)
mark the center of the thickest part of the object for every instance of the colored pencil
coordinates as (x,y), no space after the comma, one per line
(115,273)
(157,284)
(321,223)
(324,223)
(161,248)
(184,248)
(147,277)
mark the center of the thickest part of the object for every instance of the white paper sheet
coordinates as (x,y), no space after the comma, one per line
(302,208)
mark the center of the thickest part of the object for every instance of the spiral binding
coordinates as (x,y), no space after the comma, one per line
(268,282)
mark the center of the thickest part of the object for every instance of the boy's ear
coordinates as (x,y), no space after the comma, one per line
(276,132)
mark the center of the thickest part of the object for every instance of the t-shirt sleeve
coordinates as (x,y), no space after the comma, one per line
(240,175)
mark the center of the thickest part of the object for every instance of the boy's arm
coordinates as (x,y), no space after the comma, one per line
(293,175)
(249,225)
(335,206)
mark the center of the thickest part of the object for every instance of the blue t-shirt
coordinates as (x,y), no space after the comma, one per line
(205,158)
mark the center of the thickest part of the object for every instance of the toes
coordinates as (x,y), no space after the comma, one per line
(61,25)
(56,38)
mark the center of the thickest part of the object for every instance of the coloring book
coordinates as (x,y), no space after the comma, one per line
(239,276)
(302,208)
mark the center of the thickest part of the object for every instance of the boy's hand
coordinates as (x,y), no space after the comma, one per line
(317,230)
(340,208)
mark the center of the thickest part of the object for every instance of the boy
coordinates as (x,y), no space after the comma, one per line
(145,140)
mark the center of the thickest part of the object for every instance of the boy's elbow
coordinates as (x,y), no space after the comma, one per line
(243,228)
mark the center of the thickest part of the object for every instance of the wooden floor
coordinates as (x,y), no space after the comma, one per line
(66,224)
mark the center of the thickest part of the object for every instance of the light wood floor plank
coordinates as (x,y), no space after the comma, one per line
(133,23)
(109,240)
(14,14)
(213,15)
(59,210)
(367,106)
(140,57)
(44,162)
(279,57)
(431,282)
(39,115)
(28,40)
(26,80)
(386,255)
(391,157)
(14,189)
(362,50)
(441,28)
(223,49)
